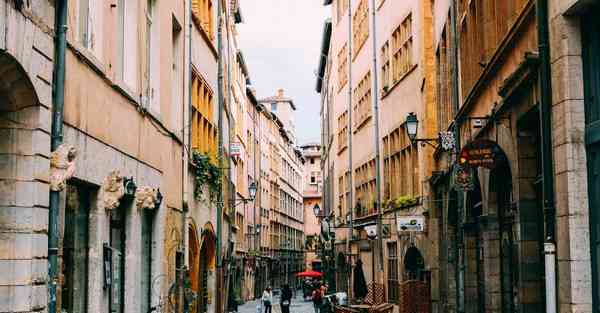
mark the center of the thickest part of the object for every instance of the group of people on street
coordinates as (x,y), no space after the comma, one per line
(284,301)
(317,298)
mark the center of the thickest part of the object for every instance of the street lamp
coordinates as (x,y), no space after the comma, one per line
(252,191)
(317,210)
(251,195)
(412,127)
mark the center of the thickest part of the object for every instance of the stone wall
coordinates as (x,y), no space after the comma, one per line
(26,63)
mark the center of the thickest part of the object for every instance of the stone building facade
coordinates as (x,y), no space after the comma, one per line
(312,194)
(404,84)
(134,224)
(484,80)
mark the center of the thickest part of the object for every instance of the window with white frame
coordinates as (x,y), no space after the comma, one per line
(90,24)
(127,44)
(152,54)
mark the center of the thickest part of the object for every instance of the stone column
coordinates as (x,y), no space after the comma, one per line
(570,170)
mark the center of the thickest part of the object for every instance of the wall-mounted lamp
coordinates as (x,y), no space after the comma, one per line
(130,186)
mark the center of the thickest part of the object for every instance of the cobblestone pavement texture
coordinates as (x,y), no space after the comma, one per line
(299,305)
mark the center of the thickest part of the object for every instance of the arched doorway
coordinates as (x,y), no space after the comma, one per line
(21,121)
(500,197)
(342,273)
(207,264)
(414,264)
(475,282)
(194,265)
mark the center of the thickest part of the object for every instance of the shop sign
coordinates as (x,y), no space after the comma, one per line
(236,150)
(481,153)
(447,140)
(411,223)
(463,178)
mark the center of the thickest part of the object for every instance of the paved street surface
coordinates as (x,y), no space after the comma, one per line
(298,306)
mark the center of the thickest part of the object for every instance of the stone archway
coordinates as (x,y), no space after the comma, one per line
(24,154)
(194,264)
(207,265)
(414,264)
(500,191)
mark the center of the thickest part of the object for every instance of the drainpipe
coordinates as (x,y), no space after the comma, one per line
(458,243)
(548,172)
(186,153)
(219,151)
(58,100)
(350,199)
(377,146)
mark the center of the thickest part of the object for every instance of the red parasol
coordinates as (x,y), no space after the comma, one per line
(309,274)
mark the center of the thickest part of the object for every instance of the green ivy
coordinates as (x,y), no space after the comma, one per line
(404,201)
(208,174)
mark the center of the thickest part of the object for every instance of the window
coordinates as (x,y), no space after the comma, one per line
(90,26)
(204,133)
(341,8)
(393,277)
(177,74)
(342,131)
(75,247)
(365,188)
(127,45)
(312,160)
(360,27)
(313,180)
(117,245)
(274,107)
(444,82)
(400,165)
(483,26)
(362,110)
(343,66)
(202,11)
(152,62)
(385,68)
(344,193)
(402,42)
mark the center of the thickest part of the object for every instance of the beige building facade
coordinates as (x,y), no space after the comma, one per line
(404,85)
(312,194)
(140,125)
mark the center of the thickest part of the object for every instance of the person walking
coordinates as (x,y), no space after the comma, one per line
(286,299)
(267,299)
(317,299)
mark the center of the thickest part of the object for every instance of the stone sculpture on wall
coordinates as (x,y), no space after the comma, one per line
(146,197)
(112,190)
(62,166)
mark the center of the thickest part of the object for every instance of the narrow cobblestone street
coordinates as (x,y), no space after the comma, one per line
(299,305)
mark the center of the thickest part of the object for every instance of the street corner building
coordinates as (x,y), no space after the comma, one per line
(130,160)
(459,152)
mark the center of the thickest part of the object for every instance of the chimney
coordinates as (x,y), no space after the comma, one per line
(280,93)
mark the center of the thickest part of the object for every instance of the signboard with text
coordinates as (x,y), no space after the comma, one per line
(236,150)
(411,223)
(481,153)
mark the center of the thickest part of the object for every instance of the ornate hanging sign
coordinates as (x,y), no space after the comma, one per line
(481,153)
(447,141)
(462,178)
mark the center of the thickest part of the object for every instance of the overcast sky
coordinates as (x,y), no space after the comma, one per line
(281,42)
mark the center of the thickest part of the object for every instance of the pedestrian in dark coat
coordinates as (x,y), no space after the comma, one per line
(286,299)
